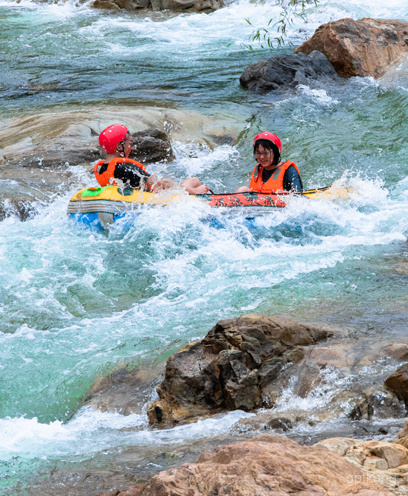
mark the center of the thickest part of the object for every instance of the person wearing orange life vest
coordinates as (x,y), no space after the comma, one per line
(117,143)
(271,175)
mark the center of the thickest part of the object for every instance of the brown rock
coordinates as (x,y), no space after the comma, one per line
(399,351)
(402,437)
(263,466)
(361,452)
(232,368)
(398,383)
(365,47)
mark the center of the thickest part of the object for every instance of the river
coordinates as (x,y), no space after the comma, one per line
(76,304)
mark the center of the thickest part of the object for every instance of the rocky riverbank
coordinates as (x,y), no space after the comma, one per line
(250,363)
(241,364)
(269,464)
(366,47)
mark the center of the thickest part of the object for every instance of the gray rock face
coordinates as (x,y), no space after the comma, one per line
(151,145)
(234,367)
(286,72)
(124,390)
(156,5)
(379,405)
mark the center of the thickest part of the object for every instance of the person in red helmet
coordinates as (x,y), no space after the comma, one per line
(116,141)
(271,175)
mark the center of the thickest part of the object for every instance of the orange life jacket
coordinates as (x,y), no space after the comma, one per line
(108,177)
(275,183)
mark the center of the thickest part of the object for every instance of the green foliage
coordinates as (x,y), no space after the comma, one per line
(291,10)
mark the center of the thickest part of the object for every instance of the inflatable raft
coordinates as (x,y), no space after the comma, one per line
(102,206)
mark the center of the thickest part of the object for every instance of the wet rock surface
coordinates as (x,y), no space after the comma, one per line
(285,72)
(125,390)
(270,464)
(156,5)
(398,383)
(234,367)
(151,145)
(365,47)
(382,404)
(119,469)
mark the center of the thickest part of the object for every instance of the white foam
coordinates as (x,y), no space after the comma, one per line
(94,431)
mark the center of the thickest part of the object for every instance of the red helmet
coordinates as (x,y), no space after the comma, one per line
(111,136)
(269,137)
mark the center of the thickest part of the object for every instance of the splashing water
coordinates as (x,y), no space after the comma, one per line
(75,303)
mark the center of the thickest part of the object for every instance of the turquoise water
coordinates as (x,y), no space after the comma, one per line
(75,304)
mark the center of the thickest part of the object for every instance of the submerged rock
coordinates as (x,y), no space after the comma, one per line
(22,209)
(365,47)
(266,465)
(156,5)
(234,367)
(286,72)
(381,404)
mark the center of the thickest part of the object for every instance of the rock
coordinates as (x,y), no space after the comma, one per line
(280,423)
(381,455)
(399,351)
(151,145)
(125,390)
(285,72)
(263,466)
(398,383)
(234,367)
(365,47)
(402,437)
(381,404)
(380,461)
(23,209)
(174,5)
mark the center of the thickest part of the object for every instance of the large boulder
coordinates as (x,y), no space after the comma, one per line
(68,148)
(234,367)
(175,5)
(263,466)
(365,47)
(287,71)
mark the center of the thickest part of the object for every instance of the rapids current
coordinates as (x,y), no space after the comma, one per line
(75,304)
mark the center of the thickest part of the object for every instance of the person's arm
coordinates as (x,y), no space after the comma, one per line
(292,181)
(160,184)
(156,184)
